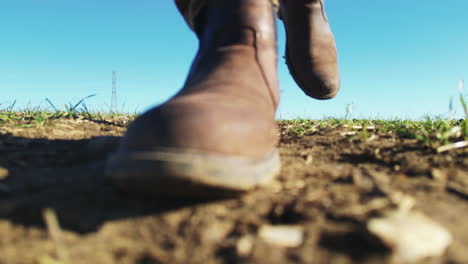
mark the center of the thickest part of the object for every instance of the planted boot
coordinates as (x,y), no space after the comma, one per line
(310,50)
(217,136)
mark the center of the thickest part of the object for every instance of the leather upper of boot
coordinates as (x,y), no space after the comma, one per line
(228,102)
(311,51)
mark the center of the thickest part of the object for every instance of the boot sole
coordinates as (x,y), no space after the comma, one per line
(188,173)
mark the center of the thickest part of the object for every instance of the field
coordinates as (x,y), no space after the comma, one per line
(337,177)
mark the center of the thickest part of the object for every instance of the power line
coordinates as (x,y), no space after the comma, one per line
(114,92)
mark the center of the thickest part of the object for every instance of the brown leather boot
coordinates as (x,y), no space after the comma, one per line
(218,134)
(310,49)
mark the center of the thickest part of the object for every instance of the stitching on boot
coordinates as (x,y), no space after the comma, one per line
(257,58)
(322,8)
(265,79)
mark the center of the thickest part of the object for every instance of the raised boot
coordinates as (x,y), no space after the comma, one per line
(310,49)
(217,136)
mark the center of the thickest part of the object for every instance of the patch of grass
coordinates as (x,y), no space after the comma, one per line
(34,117)
(431,132)
(300,127)
(465,122)
(37,118)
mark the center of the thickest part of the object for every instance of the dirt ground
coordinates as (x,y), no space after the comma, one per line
(328,187)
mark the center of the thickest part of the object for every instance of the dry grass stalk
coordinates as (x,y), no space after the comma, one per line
(55,233)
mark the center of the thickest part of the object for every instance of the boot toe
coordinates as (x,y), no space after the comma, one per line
(321,85)
(320,89)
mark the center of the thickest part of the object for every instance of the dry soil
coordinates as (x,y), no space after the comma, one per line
(330,185)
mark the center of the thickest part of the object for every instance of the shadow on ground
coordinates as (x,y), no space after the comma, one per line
(68,177)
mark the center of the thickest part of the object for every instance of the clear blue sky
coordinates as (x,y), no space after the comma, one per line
(398,58)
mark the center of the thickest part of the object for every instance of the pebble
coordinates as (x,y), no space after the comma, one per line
(282,235)
(244,246)
(3,173)
(411,235)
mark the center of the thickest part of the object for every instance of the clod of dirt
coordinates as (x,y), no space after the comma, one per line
(48,260)
(458,183)
(216,232)
(282,235)
(411,235)
(439,175)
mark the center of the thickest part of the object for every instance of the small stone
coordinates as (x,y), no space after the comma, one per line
(3,173)
(412,236)
(282,235)
(244,246)
(348,133)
